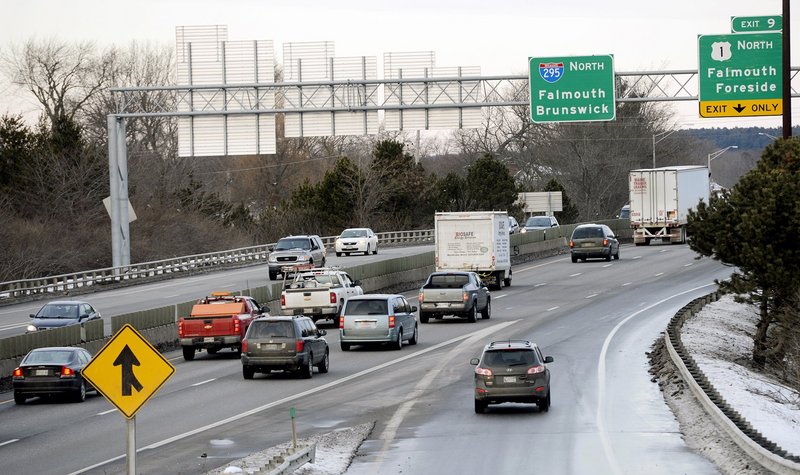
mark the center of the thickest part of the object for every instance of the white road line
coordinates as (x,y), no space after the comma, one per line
(539,265)
(551,309)
(591,296)
(170,296)
(663,250)
(540,284)
(308,392)
(659,274)
(607,265)
(8,442)
(689,264)
(576,275)
(500,296)
(627,283)
(106,412)
(11,326)
(637,257)
(204,382)
(600,416)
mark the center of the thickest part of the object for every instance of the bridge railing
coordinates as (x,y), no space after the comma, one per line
(143,271)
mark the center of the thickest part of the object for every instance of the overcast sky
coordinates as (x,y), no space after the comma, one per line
(497,35)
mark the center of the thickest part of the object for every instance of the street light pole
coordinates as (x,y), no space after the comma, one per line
(772,137)
(713,155)
(665,135)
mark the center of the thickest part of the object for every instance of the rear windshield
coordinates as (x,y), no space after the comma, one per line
(286,244)
(280,329)
(59,357)
(366,307)
(510,358)
(448,281)
(581,233)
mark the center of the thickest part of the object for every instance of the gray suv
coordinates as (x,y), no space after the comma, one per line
(512,371)
(284,343)
(296,250)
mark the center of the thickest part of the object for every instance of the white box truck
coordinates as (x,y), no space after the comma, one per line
(475,241)
(660,200)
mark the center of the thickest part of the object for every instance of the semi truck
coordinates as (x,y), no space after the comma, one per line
(660,200)
(476,241)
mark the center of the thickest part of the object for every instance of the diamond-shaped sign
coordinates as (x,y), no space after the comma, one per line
(128,371)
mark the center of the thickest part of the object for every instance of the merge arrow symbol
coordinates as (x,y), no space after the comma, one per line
(739,108)
(127,360)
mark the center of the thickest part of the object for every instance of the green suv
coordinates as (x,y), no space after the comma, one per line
(511,371)
(284,343)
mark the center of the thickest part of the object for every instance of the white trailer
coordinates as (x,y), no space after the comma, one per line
(475,241)
(660,200)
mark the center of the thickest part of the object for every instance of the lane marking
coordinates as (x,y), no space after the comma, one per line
(540,265)
(170,296)
(106,412)
(576,275)
(204,382)
(501,296)
(659,274)
(627,283)
(540,284)
(607,265)
(689,264)
(299,395)
(8,442)
(591,296)
(552,308)
(637,257)
(600,416)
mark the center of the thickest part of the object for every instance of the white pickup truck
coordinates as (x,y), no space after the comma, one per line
(318,293)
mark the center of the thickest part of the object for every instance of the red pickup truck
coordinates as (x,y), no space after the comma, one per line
(216,322)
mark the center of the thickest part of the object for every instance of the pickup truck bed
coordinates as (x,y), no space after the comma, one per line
(454,293)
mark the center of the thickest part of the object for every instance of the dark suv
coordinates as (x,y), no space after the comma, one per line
(512,371)
(593,240)
(284,343)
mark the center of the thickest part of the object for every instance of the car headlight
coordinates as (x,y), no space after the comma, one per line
(523,230)
(362,242)
(31,328)
(272,258)
(302,258)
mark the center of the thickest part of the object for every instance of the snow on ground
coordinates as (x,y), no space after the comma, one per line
(719,338)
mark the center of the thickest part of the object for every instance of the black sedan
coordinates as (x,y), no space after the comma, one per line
(62,313)
(51,372)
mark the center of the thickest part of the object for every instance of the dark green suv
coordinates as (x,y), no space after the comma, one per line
(284,343)
(511,371)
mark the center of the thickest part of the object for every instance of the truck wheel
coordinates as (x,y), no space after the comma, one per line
(486,313)
(307,371)
(212,351)
(345,346)
(480,407)
(507,281)
(247,372)
(188,353)
(423,317)
(273,275)
(324,365)
(575,259)
(472,316)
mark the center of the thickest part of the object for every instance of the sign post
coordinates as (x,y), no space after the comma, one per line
(572,89)
(128,371)
(739,75)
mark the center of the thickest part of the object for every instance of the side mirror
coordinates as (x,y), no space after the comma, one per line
(356,282)
(263,310)
(33,316)
(271,248)
(474,361)
(548,359)
(413,308)
(322,332)
(83,317)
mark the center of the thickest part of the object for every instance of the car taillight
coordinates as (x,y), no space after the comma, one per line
(465,296)
(484,372)
(298,346)
(536,369)
(180,328)
(236,324)
(391,321)
(333,297)
(18,373)
(244,346)
(341,322)
(605,242)
(67,372)
(421,297)
(571,243)
(283,300)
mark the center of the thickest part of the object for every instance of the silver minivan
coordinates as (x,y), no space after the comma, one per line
(378,318)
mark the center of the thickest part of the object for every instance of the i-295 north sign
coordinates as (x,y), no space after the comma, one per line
(572,88)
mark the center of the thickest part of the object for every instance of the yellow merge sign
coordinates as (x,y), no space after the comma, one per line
(128,371)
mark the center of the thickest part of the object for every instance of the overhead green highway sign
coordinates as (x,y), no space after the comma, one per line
(739,74)
(572,88)
(753,24)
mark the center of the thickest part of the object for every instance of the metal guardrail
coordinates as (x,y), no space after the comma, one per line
(157,269)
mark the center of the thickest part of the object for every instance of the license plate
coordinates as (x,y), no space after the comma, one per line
(509,379)
(41,372)
(208,339)
(440,304)
(365,324)
(588,244)
(268,346)
(308,310)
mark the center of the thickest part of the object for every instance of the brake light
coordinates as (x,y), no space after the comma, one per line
(341,322)
(484,372)
(536,369)
(333,297)
(465,296)
(571,243)
(605,242)
(180,328)
(283,300)
(18,373)
(298,346)
(244,346)
(236,324)
(421,297)
(67,372)
(391,321)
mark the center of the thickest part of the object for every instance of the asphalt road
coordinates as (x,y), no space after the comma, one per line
(597,320)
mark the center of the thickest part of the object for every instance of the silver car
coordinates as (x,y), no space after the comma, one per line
(305,250)
(378,318)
